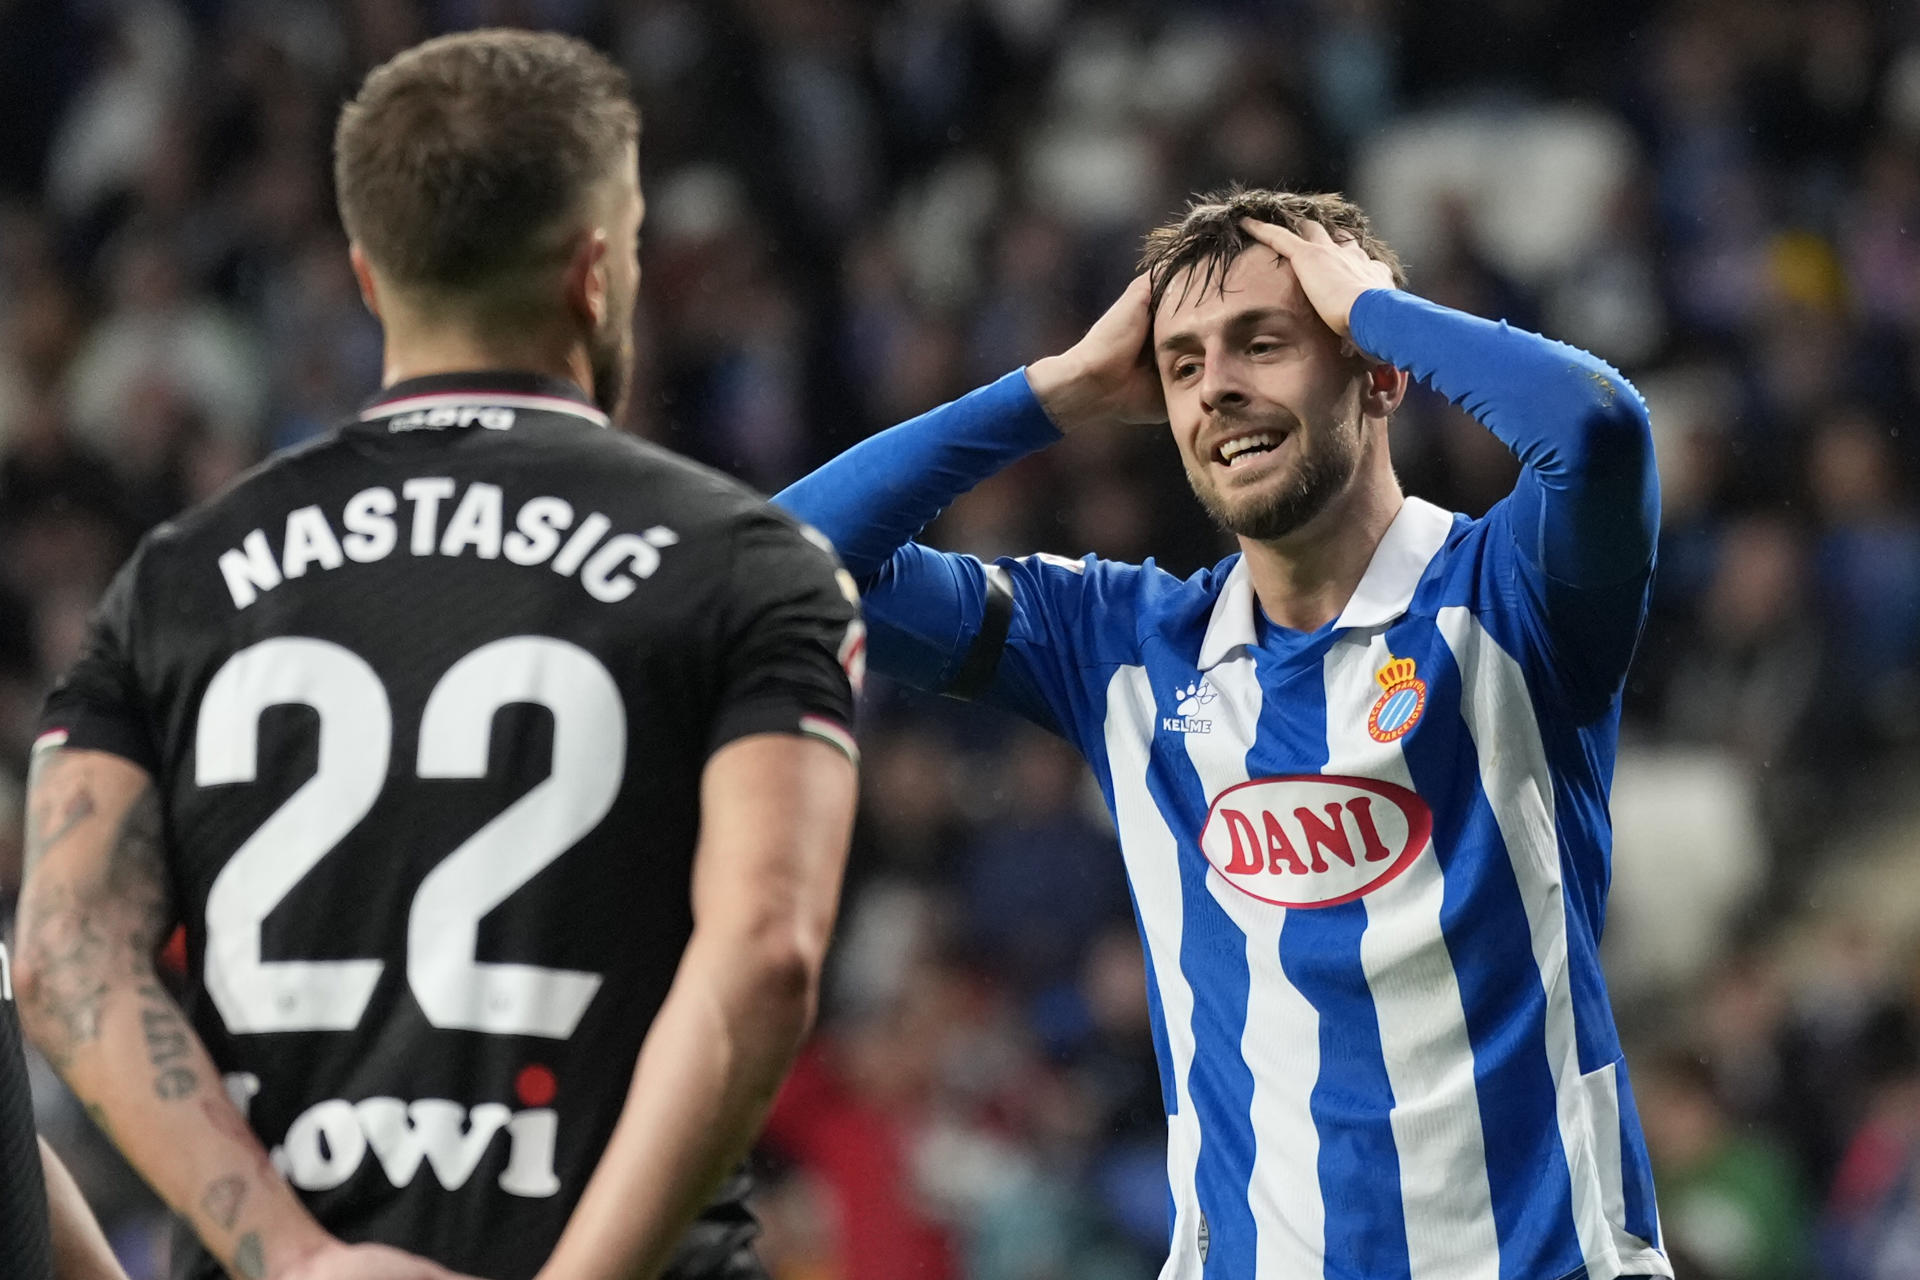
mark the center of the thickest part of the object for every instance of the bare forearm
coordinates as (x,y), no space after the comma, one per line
(709,1069)
(150,1085)
(80,1249)
(93,909)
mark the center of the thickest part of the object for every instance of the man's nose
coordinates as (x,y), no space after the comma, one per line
(1221,390)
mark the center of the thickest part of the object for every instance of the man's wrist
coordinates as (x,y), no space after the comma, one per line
(287,1245)
(1059,384)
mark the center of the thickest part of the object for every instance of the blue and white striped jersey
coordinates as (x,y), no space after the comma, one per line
(1369,866)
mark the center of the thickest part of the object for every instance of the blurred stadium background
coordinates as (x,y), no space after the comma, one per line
(859,210)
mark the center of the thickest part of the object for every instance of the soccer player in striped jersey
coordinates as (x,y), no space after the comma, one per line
(1359,769)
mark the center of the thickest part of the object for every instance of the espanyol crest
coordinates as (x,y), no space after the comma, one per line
(1403,697)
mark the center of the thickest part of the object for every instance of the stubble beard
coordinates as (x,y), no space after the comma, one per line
(1326,466)
(610,357)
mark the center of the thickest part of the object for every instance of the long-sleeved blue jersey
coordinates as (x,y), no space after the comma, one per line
(1370,862)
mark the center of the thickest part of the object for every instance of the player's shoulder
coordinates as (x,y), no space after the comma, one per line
(1464,554)
(1120,600)
(265,482)
(766,545)
(717,496)
(1475,564)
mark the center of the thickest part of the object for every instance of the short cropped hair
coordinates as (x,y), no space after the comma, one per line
(1207,238)
(460,154)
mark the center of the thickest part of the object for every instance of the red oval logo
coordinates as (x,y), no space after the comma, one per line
(1314,839)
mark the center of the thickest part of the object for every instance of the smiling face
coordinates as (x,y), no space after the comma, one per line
(1265,404)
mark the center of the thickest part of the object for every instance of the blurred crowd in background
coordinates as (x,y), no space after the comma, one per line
(860,209)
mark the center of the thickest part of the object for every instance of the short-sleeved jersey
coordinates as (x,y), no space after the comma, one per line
(428,703)
(25,1251)
(1370,866)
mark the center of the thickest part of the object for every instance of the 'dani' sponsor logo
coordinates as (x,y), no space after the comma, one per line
(1314,840)
(1403,697)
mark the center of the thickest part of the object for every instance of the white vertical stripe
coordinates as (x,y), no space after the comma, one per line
(1423,1025)
(1513,771)
(1603,1102)
(1152,857)
(1281,1040)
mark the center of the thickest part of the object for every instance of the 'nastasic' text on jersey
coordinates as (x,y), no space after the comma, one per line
(428,702)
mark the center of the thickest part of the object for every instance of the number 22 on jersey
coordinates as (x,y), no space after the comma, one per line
(454,989)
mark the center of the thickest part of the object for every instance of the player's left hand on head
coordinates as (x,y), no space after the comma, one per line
(1332,273)
(1108,376)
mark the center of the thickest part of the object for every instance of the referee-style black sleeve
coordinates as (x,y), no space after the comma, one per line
(97,704)
(791,642)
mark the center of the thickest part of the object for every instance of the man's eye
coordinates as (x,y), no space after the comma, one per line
(1185,369)
(1262,347)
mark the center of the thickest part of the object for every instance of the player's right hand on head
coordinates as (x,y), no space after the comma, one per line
(1109,375)
(366,1262)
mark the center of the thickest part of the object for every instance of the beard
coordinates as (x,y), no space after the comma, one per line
(610,356)
(1328,460)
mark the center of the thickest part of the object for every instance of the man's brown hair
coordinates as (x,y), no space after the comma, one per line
(458,157)
(1207,238)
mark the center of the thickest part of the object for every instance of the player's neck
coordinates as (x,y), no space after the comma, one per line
(1304,580)
(424,352)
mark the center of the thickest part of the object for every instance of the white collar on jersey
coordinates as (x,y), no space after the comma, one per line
(1385,590)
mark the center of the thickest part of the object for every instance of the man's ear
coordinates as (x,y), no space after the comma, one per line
(363,274)
(588,288)
(1383,391)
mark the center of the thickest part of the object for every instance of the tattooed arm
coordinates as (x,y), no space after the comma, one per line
(94,908)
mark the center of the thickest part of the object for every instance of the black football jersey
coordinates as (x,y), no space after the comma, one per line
(24,1248)
(428,702)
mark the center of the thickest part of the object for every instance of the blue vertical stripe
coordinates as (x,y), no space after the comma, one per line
(1636,1168)
(1487,931)
(1353,1099)
(1214,959)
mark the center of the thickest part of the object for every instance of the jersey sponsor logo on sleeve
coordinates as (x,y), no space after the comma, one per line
(1314,840)
(853,655)
(1190,702)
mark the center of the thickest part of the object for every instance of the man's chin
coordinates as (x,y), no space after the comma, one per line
(1270,508)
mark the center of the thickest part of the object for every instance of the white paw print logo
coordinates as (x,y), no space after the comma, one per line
(1193,697)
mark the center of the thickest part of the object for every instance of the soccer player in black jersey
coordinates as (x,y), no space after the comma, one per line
(46,1230)
(497,764)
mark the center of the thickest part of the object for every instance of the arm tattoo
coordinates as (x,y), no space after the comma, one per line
(221,1201)
(87,934)
(55,807)
(249,1257)
(168,1046)
(66,944)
